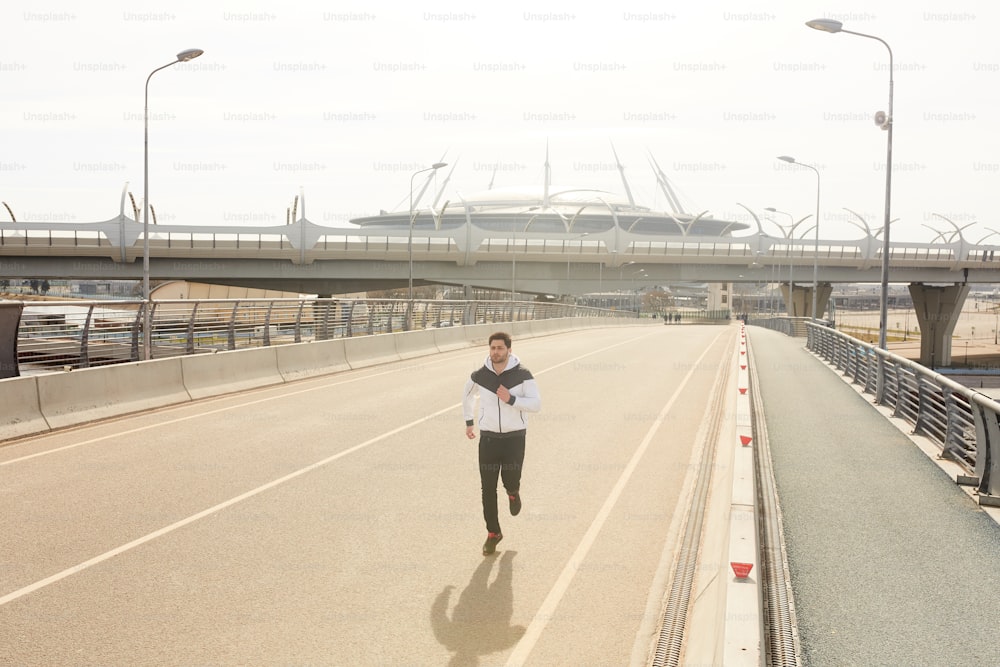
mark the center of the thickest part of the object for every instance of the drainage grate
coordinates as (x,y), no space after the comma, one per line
(782,648)
(671,638)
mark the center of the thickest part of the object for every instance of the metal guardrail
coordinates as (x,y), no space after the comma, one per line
(790,326)
(58,335)
(964,423)
(304,241)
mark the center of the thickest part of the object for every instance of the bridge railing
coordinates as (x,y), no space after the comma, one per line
(69,334)
(121,239)
(962,422)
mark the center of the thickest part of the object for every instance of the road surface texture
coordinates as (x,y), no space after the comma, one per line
(337,520)
(891,563)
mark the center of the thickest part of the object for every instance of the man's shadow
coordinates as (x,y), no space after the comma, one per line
(480,622)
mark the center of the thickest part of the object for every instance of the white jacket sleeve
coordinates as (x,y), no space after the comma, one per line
(528,399)
(469,401)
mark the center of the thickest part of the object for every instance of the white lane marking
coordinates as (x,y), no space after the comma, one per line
(198,415)
(208,413)
(524,647)
(212,510)
(59,576)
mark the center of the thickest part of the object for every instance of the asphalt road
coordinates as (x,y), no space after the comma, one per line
(336,520)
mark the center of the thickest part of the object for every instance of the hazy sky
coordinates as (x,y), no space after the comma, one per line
(345,100)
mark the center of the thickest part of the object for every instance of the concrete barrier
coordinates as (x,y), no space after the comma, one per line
(519,329)
(227,372)
(547,327)
(478,335)
(21,413)
(363,351)
(450,338)
(88,394)
(40,403)
(410,344)
(303,360)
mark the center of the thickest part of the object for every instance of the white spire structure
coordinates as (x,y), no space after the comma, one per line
(621,170)
(548,179)
(444,185)
(667,189)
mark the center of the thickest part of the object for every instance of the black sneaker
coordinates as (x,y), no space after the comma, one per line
(515,503)
(490,545)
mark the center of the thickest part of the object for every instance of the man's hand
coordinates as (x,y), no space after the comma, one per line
(503,393)
(470,432)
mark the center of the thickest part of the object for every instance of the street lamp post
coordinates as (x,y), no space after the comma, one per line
(636,302)
(791,160)
(409,245)
(182,57)
(790,306)
(789,236)
(513,261)
(885,121)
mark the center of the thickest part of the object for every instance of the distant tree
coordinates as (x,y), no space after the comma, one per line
(45,286)
(657,300)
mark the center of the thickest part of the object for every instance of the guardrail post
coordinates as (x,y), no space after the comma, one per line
(10,319)
(232,327)
(267,324)
(189,345)
(85,339)
(987,453)
(298,322)
(350,318)
(136,325)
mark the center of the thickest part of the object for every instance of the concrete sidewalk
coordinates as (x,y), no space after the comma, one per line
(891,563)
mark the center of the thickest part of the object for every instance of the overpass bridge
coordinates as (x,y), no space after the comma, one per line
(311,258)
(308,258)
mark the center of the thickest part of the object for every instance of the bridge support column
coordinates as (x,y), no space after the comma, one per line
(823,292)
(938,309)
(801,301)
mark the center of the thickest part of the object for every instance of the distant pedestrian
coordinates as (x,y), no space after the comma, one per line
(506,391)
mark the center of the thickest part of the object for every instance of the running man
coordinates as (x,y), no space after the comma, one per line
(507,391)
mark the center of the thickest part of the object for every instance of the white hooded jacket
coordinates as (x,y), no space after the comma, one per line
(494,415)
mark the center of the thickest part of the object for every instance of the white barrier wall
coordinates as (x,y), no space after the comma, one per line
(305,360)
(363,351)
(410,344)
(40,403)
(21,413)
(450,338)
(479,334)
(89,394)
(227,372)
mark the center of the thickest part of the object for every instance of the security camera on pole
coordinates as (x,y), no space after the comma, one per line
(884,120)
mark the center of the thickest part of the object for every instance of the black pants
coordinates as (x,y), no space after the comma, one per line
(500,455)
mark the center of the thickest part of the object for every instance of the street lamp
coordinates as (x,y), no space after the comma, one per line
(791,160)
(790,306)
(884,121)
(513,261)
(409,243)
(182,57)
(636,302)
(789,236)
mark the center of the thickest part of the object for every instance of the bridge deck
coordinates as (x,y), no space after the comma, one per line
(337,520)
